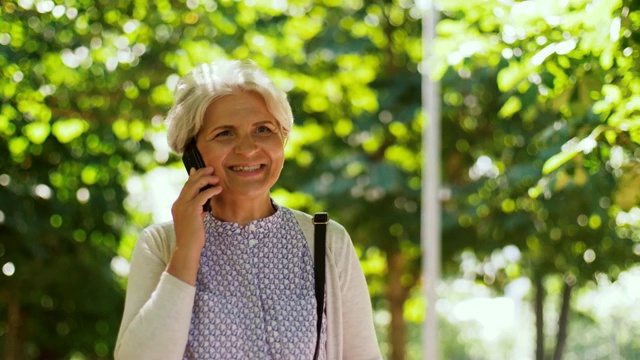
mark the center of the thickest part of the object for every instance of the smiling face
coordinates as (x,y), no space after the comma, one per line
(244,144)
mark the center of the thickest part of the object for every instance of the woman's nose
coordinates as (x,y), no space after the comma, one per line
(246,145)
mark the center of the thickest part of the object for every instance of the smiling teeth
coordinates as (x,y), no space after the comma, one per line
(245,168)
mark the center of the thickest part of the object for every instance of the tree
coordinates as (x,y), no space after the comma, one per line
(62,187)
(540,175)
(85,87)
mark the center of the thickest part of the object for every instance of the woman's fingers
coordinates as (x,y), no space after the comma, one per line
(198,179)
(195,194)
(205,195)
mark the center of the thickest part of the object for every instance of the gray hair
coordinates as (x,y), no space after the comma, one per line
(208,82)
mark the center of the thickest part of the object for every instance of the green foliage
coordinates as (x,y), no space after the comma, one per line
(64,172)
(539,176)
(538,98)
(85,86)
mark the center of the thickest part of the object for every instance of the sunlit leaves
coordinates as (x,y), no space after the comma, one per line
(196,52)
(301,136)
(89,175)
(571,149)
(343,127)
(225,25)
(68,130)
(552,61)
(34,110)
(18,145)
(305,27)
(294,200)
(558,160)
(357,68)
(405,158)
(509,77)
(374,262)
(363,99)
(106,73)
(124,129)
(512,106)
(121,129)
(6,127)
(37,132)
(372,140)
(59,73)
(161,95)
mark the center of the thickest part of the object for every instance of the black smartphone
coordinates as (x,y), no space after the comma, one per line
(192,159)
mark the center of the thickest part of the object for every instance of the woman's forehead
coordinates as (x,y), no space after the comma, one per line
(244,107)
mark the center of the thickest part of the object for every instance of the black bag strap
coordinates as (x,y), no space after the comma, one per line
(320,221)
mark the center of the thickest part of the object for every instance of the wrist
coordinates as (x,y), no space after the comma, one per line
(184,263)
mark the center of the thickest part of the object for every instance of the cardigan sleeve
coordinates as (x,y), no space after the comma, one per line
(358,332)
(157,311)
(350,330)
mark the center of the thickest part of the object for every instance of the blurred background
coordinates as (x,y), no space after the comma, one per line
(540,160)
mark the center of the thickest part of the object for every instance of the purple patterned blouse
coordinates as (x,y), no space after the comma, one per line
(255,295)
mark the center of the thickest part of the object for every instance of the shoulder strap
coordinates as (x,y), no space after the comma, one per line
(320,221)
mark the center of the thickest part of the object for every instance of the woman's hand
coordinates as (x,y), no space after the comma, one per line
(187,221)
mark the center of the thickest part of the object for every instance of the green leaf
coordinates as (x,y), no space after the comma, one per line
(633,104)
(510,76)
(557,160)
(535,191)
(18,145)
(89,175)
(606,59)
(512,106)
(136,130)
(6,127)
(120,129)
(68,130)
(612,93)
(585,145)
(634,133)
(37,132)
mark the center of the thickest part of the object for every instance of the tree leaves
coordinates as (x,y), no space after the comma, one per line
(66,130)
(528,88)
(559,100)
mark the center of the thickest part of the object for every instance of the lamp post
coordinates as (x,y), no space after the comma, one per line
(431,206)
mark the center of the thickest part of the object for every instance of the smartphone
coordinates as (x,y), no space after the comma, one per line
(193,159)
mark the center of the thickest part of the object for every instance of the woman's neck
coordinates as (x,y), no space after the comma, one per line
(241,210)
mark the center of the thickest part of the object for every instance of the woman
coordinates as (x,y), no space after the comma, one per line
(237,282)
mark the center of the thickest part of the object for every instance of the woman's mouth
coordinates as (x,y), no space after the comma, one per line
(246,168)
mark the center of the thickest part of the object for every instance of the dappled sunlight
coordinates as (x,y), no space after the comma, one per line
(539,147)
(156,191)
(612,301)
(120,266)
(8,269)
(496,315)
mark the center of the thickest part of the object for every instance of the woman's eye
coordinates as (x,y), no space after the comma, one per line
(264,130)
(223,133)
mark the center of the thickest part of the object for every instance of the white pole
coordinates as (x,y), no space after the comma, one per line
(430,229)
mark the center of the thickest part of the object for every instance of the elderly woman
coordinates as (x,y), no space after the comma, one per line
(237,282)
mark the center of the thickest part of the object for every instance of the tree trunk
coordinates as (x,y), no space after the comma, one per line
(397,296)
(12,345)
(538,309)
(563,322)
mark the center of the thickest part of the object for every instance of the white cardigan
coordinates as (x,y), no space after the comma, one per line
(157,311)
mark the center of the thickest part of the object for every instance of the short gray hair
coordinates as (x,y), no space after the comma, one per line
(208,82)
